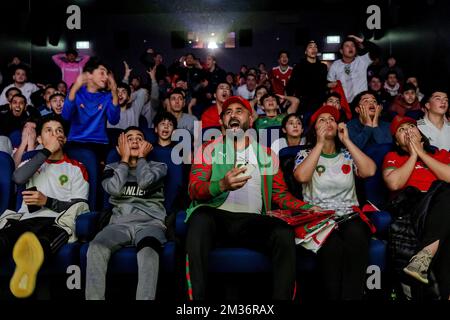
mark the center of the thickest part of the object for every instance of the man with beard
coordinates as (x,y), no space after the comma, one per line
(211,116)
(233,182)
(351,70)
(368,129)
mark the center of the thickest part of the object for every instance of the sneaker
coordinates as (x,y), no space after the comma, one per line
(418,266)
(28,256)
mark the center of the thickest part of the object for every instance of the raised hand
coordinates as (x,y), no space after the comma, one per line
(127,69)
(112,85)
(53,144)
(357,39)
(282,98)
(123,148)
(31,138)
(82,79)
(343,133)
(232,181)
(415,141)
(321,133)
(365,117)
(144,149)
(376,118)
(34,198)
(152,73)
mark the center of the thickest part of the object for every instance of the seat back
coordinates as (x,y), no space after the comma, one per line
(16,138)
(287,163)
(6,185)
(374,187)
(174,179)
(26,156)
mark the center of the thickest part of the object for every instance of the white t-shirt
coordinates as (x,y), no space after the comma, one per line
(353,76)
(244,93)
(438,137)
(27,89)
(248,198)
(64,180)
(332,186)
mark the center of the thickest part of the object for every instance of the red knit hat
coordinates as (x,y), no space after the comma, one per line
(240,100)
(398,121)
(325,109)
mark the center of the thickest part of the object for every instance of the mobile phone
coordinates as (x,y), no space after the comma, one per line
(32,208)
(247,172)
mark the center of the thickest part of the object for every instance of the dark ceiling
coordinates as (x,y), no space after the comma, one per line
(167,6)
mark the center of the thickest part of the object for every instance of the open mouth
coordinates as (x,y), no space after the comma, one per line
(234,124)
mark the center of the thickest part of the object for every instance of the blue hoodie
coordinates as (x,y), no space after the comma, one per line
(88,114)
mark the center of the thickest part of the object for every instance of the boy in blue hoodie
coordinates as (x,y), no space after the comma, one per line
(89,105)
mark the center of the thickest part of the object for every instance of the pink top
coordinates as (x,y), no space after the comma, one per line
(70,70)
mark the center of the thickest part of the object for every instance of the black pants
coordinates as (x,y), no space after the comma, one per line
(209,228)
(437,227)
(51,236)
(343,261)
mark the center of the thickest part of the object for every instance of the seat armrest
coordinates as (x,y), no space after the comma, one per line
(86,226)
(381,220)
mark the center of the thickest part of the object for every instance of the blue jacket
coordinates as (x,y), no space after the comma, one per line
(364,136)
(88,114)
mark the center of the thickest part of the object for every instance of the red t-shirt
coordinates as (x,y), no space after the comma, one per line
(280,79)
(210,117)
(421,177)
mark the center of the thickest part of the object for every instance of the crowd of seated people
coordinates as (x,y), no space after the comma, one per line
(229,185)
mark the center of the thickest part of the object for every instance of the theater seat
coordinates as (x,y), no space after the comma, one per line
(16,138)
(6,185)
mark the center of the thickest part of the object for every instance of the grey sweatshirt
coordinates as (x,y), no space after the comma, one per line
(136,193)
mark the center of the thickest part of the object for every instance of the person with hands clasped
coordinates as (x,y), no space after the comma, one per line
(327,172)
(56,193)
(416,164)
(368,129)
(136,187)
